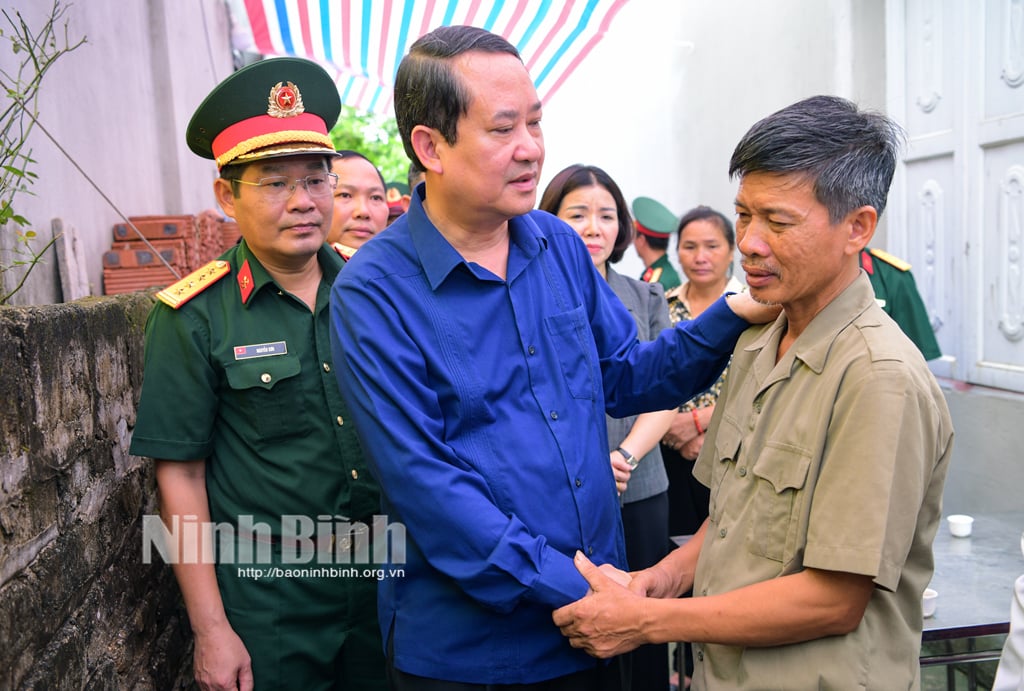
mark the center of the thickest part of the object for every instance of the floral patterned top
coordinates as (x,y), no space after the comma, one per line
(679,310)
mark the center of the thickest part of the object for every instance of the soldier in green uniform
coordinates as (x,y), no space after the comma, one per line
(896,293)
(241,410)
(655,224)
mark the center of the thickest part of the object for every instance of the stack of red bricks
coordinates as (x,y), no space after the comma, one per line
(185,242)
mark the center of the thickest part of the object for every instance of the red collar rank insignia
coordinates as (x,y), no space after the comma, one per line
(345,251)
(245,283)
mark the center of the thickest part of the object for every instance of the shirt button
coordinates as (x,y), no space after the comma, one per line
(532,350)
(341,421)
(265,378)
(704,592)
(554,414)
(327,367)
(742,472)
(355,474)
(590,551)
(700,655)
(722,532)
(579,482)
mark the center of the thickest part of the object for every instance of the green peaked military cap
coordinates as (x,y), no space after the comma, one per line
(401,187)
(395,191)
(274,107)
(653,218)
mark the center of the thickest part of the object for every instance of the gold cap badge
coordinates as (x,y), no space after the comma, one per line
(285,101)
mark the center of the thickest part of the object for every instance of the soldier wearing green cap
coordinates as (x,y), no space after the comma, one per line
(654,226)
(264,492)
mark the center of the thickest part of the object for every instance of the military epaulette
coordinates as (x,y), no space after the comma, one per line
(652,274)
(345,251)
(180,292)
(890,259)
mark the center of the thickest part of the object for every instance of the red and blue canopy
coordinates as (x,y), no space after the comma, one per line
(363,41)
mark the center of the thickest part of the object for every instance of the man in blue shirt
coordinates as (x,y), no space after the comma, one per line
(479,350)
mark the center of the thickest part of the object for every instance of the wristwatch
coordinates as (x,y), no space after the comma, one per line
(631,460)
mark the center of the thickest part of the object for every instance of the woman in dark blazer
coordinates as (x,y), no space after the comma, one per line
(588,199)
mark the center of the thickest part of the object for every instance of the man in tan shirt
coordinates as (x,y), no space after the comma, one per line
(830,445)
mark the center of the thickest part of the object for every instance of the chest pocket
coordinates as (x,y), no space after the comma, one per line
(268,392)
(570,334)
(781,472)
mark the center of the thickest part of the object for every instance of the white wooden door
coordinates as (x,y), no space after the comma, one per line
(956,82)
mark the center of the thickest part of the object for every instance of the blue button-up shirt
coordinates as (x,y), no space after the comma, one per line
(480,403)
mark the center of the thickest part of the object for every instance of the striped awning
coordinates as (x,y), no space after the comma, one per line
(362,41)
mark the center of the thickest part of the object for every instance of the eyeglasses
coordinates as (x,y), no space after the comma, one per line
(278,188)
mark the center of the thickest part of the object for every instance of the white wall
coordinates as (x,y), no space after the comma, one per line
(616,110)
(659,103)
(119,105)
(663,99)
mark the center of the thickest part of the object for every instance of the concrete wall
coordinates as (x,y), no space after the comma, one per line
(79,608)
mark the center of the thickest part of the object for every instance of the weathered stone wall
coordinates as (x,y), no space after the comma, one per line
(78,608)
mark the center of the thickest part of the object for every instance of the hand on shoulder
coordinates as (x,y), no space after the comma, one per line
(752,311)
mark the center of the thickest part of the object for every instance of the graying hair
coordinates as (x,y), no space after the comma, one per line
(849,154)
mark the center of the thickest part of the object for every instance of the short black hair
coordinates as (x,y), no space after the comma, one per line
(427,90)
(706,213)
(848,154)
(578,175)
(414,175)
(349,153)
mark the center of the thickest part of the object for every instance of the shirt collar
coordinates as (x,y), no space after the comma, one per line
(439,258)
(259,276)
(330,264)
(813,345)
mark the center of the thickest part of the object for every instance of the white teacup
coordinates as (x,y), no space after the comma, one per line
(960,525)
(928,602)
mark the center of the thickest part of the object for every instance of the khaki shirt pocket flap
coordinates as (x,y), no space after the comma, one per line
(727,442)
(784,466)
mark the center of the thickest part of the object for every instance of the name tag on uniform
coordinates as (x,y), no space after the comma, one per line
(247,352)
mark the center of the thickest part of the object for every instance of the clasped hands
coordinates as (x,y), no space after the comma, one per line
(607,620)
(682,436)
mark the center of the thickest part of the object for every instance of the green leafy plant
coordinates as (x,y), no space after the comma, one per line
(374,136)
(35,53)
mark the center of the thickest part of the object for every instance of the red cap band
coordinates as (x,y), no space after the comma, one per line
(646,231)
(263,130)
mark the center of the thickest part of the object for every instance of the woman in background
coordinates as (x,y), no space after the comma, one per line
(588,199)
(360,202)
(706,246)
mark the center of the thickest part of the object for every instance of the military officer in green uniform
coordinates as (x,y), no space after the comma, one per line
(655,224)
(897,294)
(240,408)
